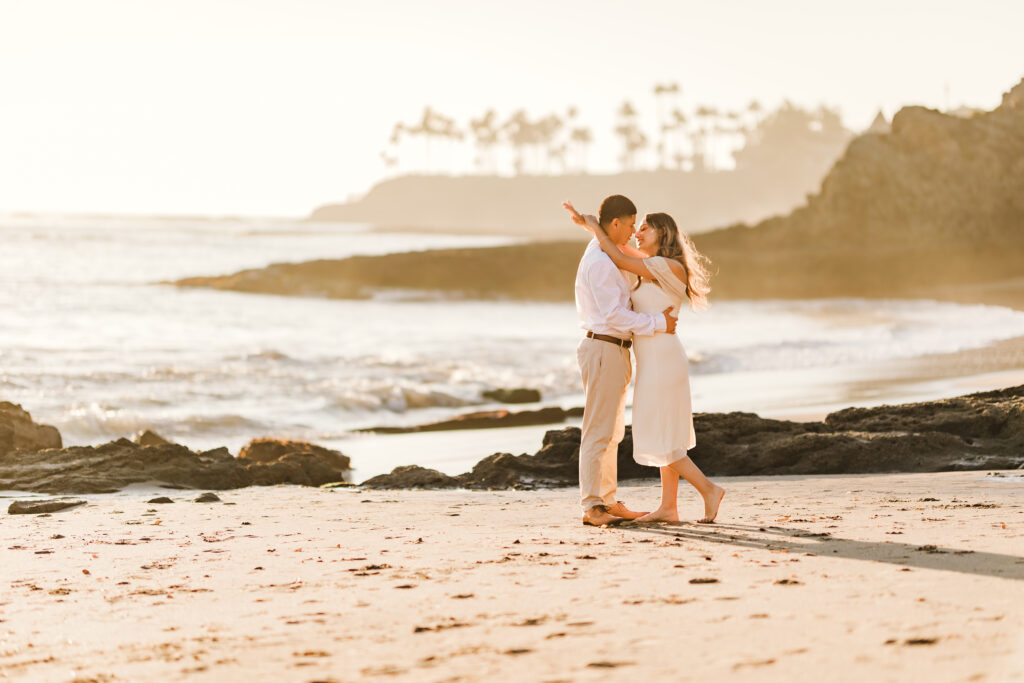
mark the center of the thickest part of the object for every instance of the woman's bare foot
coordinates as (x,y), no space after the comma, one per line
(660,515)
(711,504)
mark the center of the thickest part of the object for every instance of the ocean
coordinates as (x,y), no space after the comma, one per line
(93,342)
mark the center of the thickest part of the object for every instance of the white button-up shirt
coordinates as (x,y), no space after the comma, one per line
(602,299)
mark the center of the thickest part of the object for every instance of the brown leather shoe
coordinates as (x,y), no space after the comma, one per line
(620,510)
(599,516)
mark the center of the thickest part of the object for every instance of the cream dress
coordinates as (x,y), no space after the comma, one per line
(662,412)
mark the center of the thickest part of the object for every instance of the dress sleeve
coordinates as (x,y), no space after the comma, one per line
(669,281)
(604,280)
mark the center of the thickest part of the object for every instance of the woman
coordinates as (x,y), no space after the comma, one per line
(670,270)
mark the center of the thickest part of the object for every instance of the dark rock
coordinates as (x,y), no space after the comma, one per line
(983,431)
(112,466)
(19,432)
(270,462)
(519,395)
(487,419)
(150,438)
(35,507)
(161,500)
(206,498)
(412,477)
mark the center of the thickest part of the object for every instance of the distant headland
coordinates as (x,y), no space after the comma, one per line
(932,208)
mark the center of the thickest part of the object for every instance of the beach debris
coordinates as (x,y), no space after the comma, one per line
(35,507)
(441,627)
(703,580)
(162,500)
(920,641)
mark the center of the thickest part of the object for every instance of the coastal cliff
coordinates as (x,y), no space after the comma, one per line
(933,209)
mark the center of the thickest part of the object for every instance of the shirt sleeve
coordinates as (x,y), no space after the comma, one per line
(607,295)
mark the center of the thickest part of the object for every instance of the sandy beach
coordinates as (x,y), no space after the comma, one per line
(880,577)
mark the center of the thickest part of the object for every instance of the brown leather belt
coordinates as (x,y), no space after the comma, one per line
(624,343)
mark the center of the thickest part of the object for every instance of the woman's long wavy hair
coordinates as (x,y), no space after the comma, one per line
(678,246)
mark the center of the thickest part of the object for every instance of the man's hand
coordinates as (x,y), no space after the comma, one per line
(670,321)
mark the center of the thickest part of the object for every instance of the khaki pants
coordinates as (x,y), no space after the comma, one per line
(606,370)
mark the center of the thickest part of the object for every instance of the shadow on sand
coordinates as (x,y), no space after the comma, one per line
(826,545)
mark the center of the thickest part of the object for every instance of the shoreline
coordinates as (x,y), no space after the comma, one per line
(847,578)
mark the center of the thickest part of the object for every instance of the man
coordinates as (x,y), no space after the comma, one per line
(602,302)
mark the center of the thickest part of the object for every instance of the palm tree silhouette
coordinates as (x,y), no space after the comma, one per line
(633,139)
(485,131)
(581,138)
(546,135)
(705,115)
(518,134)
(678,128)
(662,92)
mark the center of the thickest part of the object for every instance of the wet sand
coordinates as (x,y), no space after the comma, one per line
(881,577)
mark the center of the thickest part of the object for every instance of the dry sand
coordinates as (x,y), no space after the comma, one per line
(848,578)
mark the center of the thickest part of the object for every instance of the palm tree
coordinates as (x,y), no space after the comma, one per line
(546,137)
(518,134)
(427,128)
(485,131)
(705,115)
(581,138)
(633,139)
(664,92)
(394,144)
(448,132)
(678,128)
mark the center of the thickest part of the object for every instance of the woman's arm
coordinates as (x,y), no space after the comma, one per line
(624,257)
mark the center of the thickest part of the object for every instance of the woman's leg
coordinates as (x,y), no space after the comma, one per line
(667,511)
(711,493)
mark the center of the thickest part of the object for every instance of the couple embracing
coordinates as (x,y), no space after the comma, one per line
(617,316)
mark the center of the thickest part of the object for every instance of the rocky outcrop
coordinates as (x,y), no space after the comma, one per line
(936,179)
(117,464)
(149,438)
(932,209)
(518,395)
(40,507)
(487,419)
(484,273)
(269,461)
(978,431)
(19,432)
(412,477)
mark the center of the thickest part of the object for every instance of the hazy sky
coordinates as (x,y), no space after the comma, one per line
(276,106)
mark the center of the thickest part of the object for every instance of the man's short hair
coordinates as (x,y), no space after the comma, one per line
(614,207)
